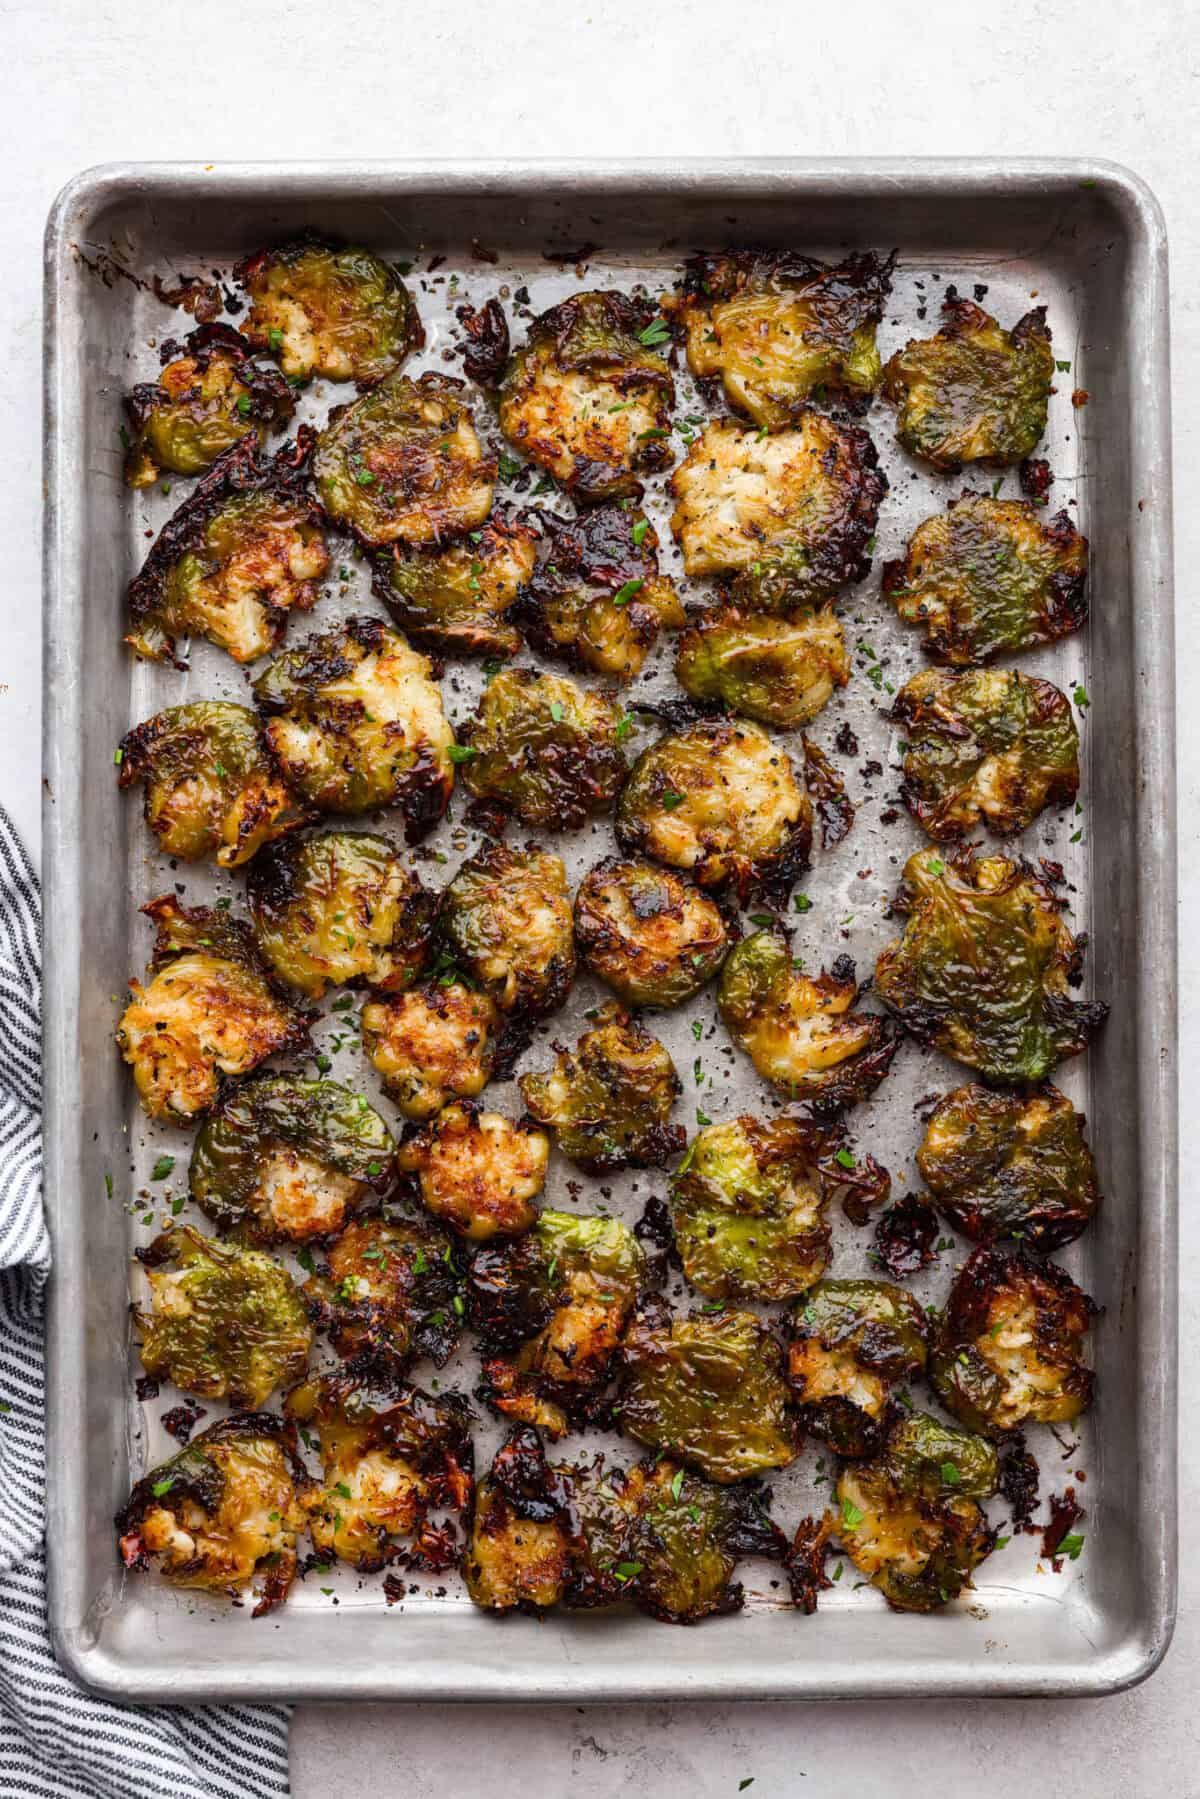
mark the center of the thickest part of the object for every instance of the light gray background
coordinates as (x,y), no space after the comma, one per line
(88,81)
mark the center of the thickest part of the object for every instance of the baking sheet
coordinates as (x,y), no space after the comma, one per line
(1024,1627)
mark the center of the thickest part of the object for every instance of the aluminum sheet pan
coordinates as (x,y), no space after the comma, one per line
(1087,240)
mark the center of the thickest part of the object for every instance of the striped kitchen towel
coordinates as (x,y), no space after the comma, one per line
(55,1739)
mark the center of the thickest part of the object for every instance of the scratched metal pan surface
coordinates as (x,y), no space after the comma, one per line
(1087,240)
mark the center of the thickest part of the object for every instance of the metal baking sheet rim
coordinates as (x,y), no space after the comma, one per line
(797,1665)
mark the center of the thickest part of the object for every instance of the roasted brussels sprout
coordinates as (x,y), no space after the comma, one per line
(476,1171)
(225,1322)
(657,1535)
(910,1520)
(209,395)
(208,1011)
(973,392)
(983,967)
(435,1043)
(1010,1347)
(543,749)
(550,1309)
(286,1160)
(1010,1165)
(329,310)
(390,1454)
(748,1204)
(709,1390)
(356,723)
(340,910)
(686,1536)
(780,671)
(779,328)
(404,464)
(651,936)
(390,1292)
(221,1512)
(244,550)
(525,1536)
(853,1344)
(597,598)
(789,515)
(211,785)
(608,1100)
(721,800)
(987,577)
(505,921)
(989,746)
(456,599)
(588,398)
(803,1032)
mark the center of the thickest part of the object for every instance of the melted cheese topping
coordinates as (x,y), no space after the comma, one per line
(479,1173)
(199,1015)
(431,1045)
(303,1197)
(561,417)
(739,494)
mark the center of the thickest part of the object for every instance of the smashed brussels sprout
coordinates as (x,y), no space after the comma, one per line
(587,396)
(455,599)
(649,935)
(597,599)
(286,1160)
(221,1512)
(748,1204)
(404,464)
(435,1043)
(1010,1165)
(356,724)
(709,1390)
(1010,1345)
(550,1309)
(211,787)
(686,1536)
(790,515)
(206,399)
(390,1292)
(244,550)
(608,1100)
(803,1032)
(983,967)
(329,310)
(987,577)
(853,1343)
(505,921)
(389,1454)
(477,1172)
(225,1322)
(780,329)
(911,1521)
(340,910)
(543,749)
(656,1535)
(525,1539)
(208,1011)
(989,746)
(779,671)
(973,392)
(721,800)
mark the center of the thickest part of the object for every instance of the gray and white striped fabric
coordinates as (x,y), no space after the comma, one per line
(56,1740)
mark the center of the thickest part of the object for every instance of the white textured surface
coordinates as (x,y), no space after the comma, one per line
(91,82)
